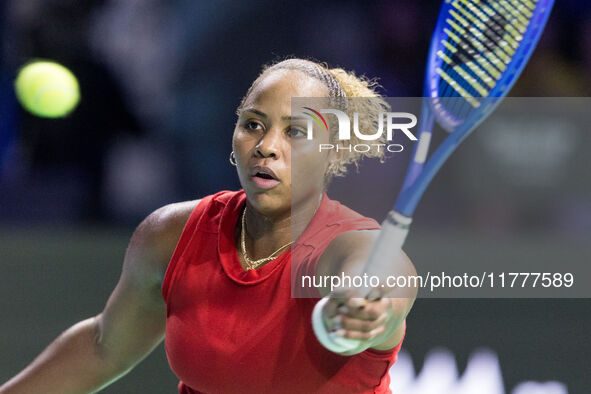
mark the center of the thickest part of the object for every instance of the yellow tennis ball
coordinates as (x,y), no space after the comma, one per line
(47,89)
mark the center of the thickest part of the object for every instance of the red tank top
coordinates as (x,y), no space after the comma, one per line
(235,331)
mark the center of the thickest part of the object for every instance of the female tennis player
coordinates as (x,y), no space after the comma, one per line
(213,276)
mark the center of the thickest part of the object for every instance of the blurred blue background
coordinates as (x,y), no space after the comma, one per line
(160,84)
(161,81)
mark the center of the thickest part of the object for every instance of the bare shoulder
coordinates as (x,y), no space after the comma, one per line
(348,249)
(155,239)
(353,240)
(346,246)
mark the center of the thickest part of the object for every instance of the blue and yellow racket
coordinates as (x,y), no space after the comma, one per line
(478,50)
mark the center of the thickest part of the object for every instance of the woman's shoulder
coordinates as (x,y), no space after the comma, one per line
(163,227)
(340,213)
(155,239)
(332,219)
(168,220)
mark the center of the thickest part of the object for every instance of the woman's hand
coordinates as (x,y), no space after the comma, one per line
(357,318)
(377,323)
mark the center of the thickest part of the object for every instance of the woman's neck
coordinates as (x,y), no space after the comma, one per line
(266,234)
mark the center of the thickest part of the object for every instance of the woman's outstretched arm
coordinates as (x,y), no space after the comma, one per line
(379,324)
(97,351)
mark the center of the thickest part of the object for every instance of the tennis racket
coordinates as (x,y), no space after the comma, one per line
(477,52)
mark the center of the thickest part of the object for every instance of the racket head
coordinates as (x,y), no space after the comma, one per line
(479,49)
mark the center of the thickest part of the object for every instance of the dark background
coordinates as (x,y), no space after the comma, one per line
(160,83)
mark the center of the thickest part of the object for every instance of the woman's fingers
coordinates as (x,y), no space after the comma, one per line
(363,309)
(356,318)
(361,335)
(354,324)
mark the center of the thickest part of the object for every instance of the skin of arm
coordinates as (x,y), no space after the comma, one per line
(95,352)
(380,322)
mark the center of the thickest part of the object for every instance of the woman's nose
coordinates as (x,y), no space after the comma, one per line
(269,144)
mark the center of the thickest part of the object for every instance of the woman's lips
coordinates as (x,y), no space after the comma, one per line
(264,183)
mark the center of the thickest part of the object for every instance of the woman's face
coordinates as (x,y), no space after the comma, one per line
(267,138)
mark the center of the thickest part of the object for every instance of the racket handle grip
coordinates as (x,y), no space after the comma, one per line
(331,341)
(385,253)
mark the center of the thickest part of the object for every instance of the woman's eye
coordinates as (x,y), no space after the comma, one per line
(252,126)
(297,133)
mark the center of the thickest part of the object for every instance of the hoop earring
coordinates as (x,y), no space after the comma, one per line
(233,159)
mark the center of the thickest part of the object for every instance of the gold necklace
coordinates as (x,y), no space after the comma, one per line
(250,264)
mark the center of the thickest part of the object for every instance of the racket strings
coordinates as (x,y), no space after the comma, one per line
(481,38)
(480,73)
(490,31)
